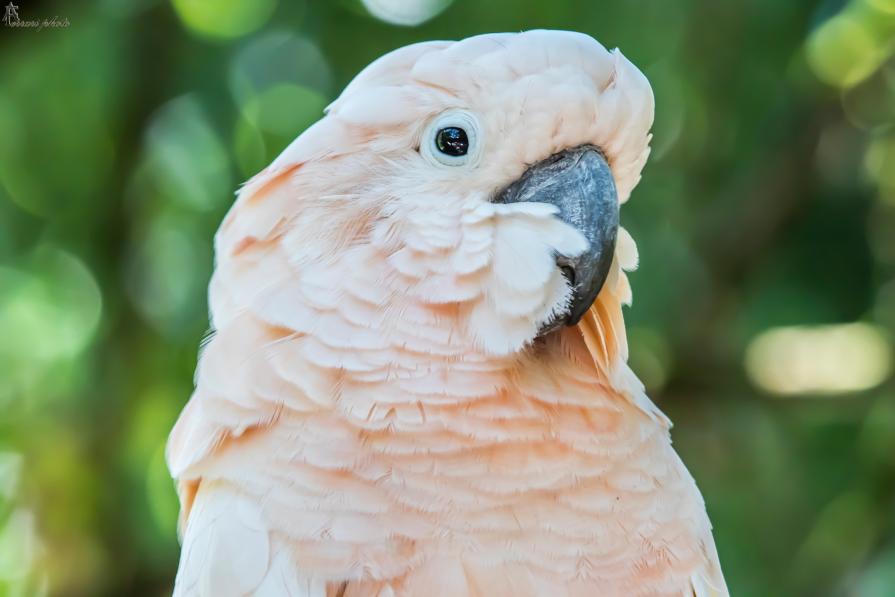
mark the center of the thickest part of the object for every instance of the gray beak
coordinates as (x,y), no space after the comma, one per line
(579,182)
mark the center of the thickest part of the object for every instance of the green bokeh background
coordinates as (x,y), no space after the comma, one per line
(768,202)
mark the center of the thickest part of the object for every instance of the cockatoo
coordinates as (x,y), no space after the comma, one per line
(417,383)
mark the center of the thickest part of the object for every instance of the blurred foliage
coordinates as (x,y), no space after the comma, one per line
(765,220)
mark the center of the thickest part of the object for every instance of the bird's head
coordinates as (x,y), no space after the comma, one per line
(478,179)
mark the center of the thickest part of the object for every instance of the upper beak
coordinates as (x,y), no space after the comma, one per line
(579,182)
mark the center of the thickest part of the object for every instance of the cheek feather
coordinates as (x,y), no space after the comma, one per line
(523,262)
(522,288)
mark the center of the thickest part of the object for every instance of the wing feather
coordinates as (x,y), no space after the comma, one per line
(223,528)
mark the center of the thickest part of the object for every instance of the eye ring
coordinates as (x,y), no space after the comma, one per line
(453,138)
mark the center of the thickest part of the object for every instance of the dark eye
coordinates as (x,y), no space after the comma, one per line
(452,140)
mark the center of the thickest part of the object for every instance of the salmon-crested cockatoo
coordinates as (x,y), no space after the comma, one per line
(417,383)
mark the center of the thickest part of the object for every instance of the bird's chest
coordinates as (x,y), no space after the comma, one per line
(576,489)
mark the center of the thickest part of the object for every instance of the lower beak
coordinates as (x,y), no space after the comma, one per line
(579,182)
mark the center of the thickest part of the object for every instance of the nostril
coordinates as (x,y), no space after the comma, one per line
(568,273)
